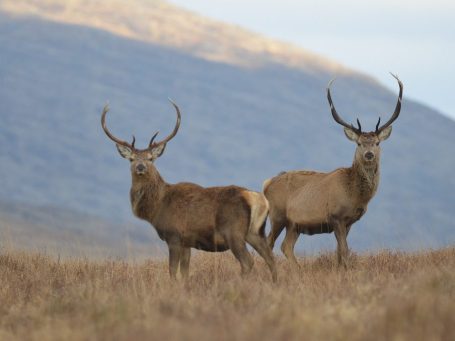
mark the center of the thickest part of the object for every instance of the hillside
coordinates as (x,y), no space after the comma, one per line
(240,124)
(384,296)
(159,22)
(67,233)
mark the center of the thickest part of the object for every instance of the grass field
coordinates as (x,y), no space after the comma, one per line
(383,296)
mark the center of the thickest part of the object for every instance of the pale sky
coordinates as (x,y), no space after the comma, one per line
(412,38)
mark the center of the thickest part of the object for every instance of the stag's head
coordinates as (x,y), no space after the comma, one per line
(368,149)
(141,159)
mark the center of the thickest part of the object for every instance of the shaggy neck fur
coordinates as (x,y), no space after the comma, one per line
(146,194)
(365,179)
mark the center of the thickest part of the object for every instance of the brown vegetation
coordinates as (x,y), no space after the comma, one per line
(383,296)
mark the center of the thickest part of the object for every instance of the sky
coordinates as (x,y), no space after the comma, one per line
(412,38)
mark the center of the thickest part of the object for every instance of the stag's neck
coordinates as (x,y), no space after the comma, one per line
(364,180)
(146,196)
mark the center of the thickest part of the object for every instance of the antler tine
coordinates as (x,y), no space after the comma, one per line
(108,133)
(358,124)
(335,115)
(397,108)
(377,124)
(174,132)
(153,138)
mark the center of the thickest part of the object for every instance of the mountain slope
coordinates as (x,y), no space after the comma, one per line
(240,125)
(69,233)
(159,22)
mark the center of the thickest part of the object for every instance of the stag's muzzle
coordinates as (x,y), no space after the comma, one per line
(369,156)
(140,169)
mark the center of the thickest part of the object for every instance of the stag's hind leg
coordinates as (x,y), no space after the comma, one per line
(238,248)
(259,243)
(292,234)
(232,223)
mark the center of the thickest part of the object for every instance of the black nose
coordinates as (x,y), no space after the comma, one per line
(140,168)
(369,155)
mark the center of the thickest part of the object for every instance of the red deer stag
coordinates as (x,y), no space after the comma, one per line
(187,216)
(312,202)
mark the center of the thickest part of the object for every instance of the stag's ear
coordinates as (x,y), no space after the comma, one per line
(157,151)
(125,152)
(351,134)
(385,133)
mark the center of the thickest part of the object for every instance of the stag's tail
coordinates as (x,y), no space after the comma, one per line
(259,207)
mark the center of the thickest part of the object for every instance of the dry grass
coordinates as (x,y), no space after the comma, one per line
(383,296)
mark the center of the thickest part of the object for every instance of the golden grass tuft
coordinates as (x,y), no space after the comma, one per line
(383,296)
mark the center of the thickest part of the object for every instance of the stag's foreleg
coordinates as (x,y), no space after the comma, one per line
(341,233)
(185,255)
(175,251)
(292,234)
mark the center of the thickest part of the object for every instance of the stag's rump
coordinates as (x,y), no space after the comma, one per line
(279,189)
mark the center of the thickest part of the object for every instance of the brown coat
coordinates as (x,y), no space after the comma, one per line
(312,202)
(186,215)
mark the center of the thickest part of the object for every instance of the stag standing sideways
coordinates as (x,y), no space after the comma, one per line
(186,215)
(312,202)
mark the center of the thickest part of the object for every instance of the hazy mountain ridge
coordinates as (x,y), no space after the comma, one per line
(159,22)
(239,125)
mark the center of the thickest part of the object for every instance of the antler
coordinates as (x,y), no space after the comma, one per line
(337,117)
(397,108)
(151,144)
(171,135)
(108,133)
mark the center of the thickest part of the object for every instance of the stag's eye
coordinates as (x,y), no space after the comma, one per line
(377,143)
(358,144)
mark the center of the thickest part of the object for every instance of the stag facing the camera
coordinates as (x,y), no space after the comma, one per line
(186,215)
(311,202)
